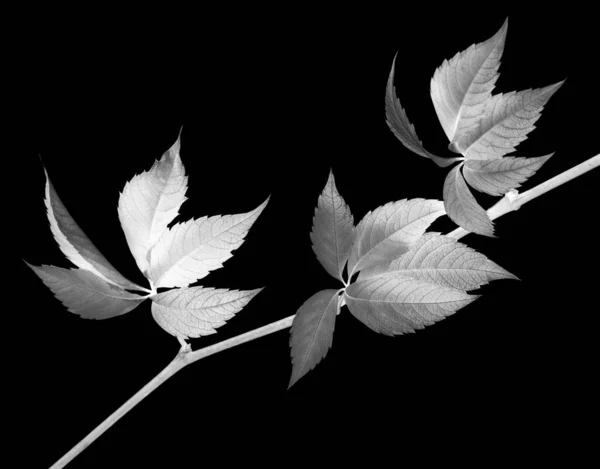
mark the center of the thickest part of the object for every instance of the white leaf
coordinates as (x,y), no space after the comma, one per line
(311,334)
(188,251)
(460,87)
(461,206)
(390,230)
(150,201)
(86,294)
(396,304)
(401,127)
(74,243)
(197,311)
(496,177)
(333,225)
(505,122)
(374,270)
(444,261)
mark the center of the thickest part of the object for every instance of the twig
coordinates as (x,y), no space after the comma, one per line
(177,364)
(511,201)
(184,357)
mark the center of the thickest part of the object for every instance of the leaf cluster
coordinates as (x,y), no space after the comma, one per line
(404,278)
(169,255)
(482,127)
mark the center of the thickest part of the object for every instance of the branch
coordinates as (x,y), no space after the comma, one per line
(511,201)
(184,357)
(177,364)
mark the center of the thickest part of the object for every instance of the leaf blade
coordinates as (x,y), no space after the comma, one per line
(461,206)
(75,244)
(85,294)
(197,311)
(311,334)
(496,177)
(390,230)
(150,201)
(189,251)
(460,86)
(401,127)
(444,261)
(394,304)
(504,123)
(333,225)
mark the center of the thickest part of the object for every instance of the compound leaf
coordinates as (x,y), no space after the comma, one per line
(390,230)
(86,294)
(168,257)
(496,177)
(461,206)
(188,251)
(444,261)
(74,243)
(401,127)
(311,334)
(460,87)
(332,230)
(393,303)
(505,121)
(150,201)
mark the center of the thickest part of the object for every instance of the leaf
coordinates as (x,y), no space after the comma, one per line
(168,257)
(444,261)
(150,201)
(402,128)
(390,230)
(74,243)
(393,303)
(461,86)
(188,251)
(86,294)
(311,334)
(332,230)
(377,269)
(461,206)
(197,311)
(496,177)
(505,122)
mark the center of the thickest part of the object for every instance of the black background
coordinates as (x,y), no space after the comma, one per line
(268,105)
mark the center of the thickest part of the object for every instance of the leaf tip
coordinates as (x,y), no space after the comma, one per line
(261,207)
(502,31)
(554,87)
(330,178)
(173,152)
(256,291)
(390,83)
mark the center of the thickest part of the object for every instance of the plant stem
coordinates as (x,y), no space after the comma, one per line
(240,339)
(184,357)
(177,364)
(511,201)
